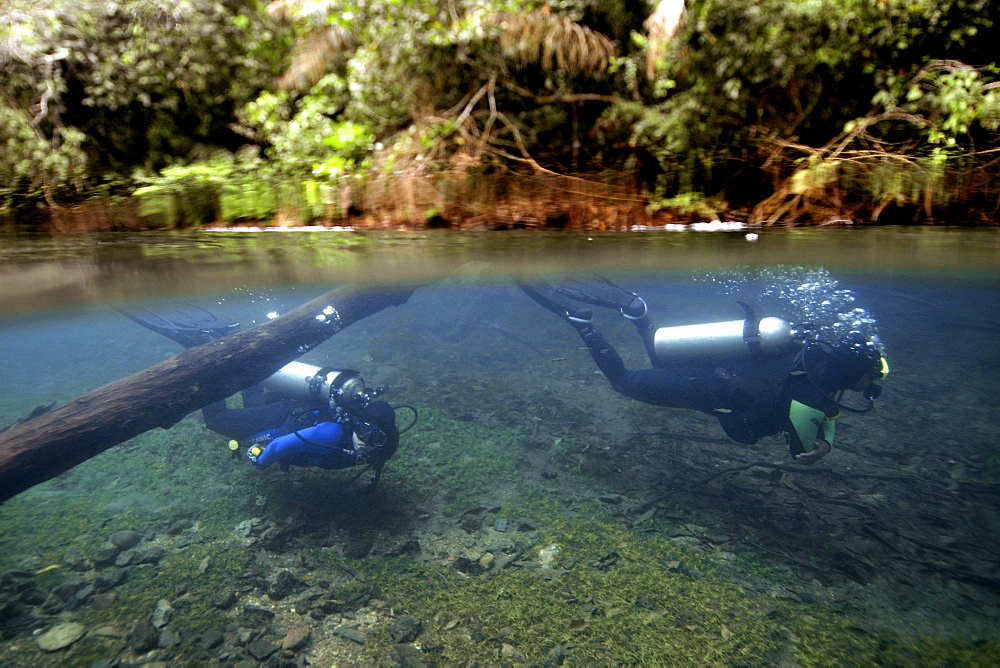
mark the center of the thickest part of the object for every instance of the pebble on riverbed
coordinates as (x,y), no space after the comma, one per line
(60,636)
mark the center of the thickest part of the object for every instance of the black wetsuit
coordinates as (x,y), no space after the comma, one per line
(752,397)
(257,415)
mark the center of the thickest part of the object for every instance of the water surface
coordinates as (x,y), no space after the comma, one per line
(890,539)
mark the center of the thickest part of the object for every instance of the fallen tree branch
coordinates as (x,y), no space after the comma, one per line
(159,396)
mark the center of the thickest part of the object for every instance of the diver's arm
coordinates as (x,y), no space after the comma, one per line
(811,425)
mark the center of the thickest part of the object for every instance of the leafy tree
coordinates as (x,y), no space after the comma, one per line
(93,87)
(745,80)
(40,148)
(814,106)
(431,80)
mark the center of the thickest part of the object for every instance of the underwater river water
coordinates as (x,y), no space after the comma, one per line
(531,514)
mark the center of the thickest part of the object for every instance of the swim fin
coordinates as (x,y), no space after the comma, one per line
(599,291)
(187,325)
(552,299)
(38,410)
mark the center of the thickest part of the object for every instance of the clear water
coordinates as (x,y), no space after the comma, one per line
(884,552)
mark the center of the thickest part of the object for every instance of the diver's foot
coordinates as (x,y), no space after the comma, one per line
(635,309)
(549,298)
(600,291)
(194,338)
(580,319)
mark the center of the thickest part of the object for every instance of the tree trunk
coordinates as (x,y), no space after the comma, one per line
(159,396)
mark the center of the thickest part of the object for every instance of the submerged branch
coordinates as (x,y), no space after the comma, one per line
(159,396)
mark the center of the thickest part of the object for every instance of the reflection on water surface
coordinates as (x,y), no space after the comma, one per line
(98,268)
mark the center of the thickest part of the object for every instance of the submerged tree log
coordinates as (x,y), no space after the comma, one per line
(159,396)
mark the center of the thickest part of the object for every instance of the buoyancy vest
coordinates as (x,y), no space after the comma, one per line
(752,395)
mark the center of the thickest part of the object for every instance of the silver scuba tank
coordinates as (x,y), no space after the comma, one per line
(718,340)
(330,387)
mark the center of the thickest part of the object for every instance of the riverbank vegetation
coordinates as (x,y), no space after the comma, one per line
(497,113)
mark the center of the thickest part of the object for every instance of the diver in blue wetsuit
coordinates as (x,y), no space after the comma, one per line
(302,415)
(307,416)
(754,375)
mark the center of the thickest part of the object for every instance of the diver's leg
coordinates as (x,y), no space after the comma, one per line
(647,332)
(658,386)
(253,396)
(605,356)
(603,353)
(242,423)
(602,292)
(661,387)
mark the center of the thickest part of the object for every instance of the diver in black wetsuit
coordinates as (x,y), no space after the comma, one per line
(300,416)
(752,375)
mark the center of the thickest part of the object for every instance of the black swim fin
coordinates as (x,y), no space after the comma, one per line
(548,297)
(187,325)
(38,410)
(600,291)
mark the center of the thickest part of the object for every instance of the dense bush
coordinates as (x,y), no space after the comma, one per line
(96,88)
(795,109)
(746,78)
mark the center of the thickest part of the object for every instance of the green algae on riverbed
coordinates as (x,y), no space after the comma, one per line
(609,592)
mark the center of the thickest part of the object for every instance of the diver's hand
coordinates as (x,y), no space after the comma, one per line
(821,449)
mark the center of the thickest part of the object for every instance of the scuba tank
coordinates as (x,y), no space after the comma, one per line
(719,340)
(336,388)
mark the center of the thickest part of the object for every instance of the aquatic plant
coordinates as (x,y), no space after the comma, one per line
(620,596)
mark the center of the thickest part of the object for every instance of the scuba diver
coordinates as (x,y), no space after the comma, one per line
(302,415)
(756,376)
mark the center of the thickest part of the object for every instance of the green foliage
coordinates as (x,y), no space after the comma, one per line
(36,155)
(690,205)
(800,71)
(919,150)
(325,92)
(116,85)
(35,160)
(305,133)
(949,102)
(219,190)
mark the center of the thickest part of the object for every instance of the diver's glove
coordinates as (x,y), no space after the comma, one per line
(821,448)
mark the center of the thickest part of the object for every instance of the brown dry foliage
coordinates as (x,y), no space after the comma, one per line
(555,44)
